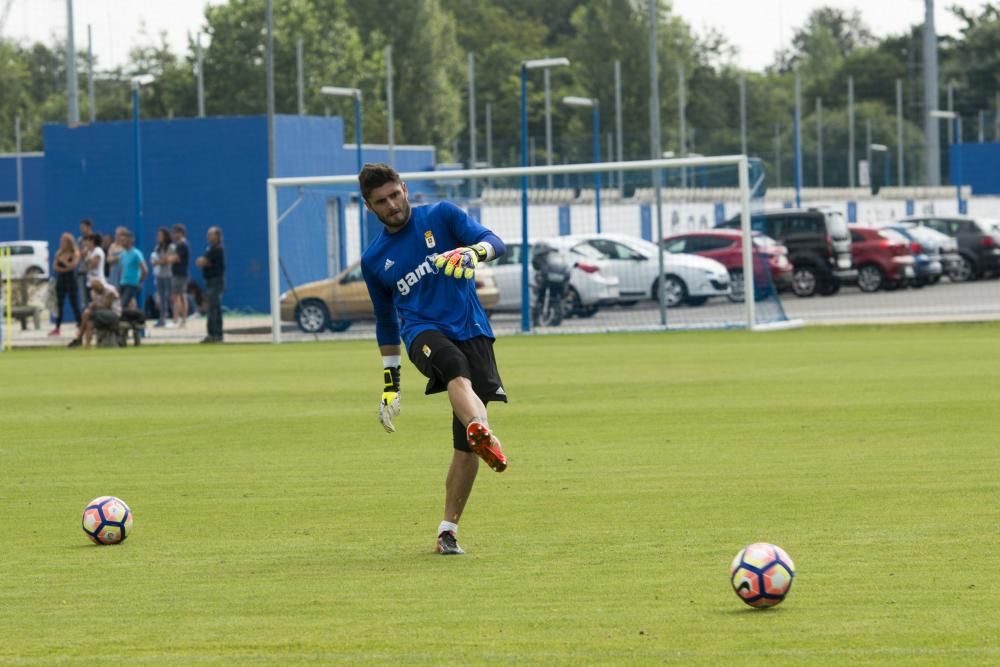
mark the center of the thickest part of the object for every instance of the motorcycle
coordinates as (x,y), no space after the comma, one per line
(552,274)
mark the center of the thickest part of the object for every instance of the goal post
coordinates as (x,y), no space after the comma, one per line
(721,189)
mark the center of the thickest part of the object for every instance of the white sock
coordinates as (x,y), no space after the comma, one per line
(448,526)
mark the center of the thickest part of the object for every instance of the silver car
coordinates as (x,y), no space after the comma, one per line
(589,286)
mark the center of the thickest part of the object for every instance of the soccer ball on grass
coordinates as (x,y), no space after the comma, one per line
(761,574)
(107,520)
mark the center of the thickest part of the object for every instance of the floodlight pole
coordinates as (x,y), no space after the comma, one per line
(337,91)
(540,63)
(797,137)
(956,129)
(594,104)
(137,83)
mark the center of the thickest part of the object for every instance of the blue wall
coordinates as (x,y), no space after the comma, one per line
(33,184)
(980,166)
(200,172)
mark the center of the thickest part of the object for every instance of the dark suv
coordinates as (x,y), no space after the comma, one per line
(819,246)
(978,243)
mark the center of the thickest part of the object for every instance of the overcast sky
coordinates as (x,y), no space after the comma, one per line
(757,27)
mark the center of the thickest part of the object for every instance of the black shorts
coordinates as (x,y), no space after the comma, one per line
(442,359)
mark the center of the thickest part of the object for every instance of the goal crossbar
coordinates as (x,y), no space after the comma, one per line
(740,162)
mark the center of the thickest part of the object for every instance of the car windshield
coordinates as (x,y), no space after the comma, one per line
(892,235)
(836,224)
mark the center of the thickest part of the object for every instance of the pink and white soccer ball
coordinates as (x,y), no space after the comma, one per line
(107,520)
(761,574)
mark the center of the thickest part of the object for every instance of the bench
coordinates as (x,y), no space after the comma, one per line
(131,321)
(22,313)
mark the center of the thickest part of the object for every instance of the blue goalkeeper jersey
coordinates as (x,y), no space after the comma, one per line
(410,295)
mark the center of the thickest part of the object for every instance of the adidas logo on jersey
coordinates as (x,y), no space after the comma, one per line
(388,264)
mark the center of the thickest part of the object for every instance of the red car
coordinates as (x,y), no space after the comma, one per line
(883,258)
(726,247)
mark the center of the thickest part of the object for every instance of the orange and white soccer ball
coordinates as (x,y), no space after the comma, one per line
(761,574)
(107,520)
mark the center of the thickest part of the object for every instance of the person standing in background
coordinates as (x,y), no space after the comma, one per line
(64,265)
(113,267)
(213,268)
(133,270)
(180,258)
(160,259)
(83,293)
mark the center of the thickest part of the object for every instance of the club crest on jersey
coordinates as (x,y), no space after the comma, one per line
(411,278)
(429,239)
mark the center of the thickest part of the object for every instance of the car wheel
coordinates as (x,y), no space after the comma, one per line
(735,286)
(312,316)
(870,278)
(804,281)
(963,271)
(674,291)
(571,303)
(828,287)
(337,326)
(34,272)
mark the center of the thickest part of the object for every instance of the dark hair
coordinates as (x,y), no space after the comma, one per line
(376,175)
(162,233)
(88,222)
(96,238)
(180,228)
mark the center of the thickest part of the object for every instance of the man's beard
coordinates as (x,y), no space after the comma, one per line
(404,218)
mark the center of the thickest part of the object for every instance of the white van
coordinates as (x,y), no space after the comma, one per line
(27,258)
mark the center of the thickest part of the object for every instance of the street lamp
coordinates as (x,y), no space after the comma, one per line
(138,82)
(956,120)
(337,91)
(538,63)
(886,162)
(592,103)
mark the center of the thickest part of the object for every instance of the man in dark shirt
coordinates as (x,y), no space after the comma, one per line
(179,257)
(213,268)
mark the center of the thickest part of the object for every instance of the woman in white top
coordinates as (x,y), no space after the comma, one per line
(160,259)
(94,258)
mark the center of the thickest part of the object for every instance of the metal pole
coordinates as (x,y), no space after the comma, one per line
(982,126)
(472,121)
(300,83)
(681,106)
(72,104)
(91,98)
(951,107)
(358,137)
(957,123)
(797,139)
(931,131)
(20,178)
(389,104)
(618,123)
(777,154)
(996,118)
(489,140)
(743,113)
(656,146)
(819,142)
(269,75)
(868,151)
(137,147)
(201,78)
(548,124)
(525,249)
(900,168)
(597,159)
(850,132)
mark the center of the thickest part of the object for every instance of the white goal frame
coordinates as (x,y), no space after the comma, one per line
(740,162)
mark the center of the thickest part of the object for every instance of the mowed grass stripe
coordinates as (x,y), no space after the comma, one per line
(276,523)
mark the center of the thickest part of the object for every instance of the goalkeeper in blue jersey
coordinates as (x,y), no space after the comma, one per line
(420,274)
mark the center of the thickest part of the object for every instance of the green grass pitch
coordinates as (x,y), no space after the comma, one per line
(277,524)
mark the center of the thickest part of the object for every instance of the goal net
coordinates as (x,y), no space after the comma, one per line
(650,245)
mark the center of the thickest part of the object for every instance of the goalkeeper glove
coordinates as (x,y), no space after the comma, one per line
(388,407)
(461,262)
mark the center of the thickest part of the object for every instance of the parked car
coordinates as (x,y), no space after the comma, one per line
(819,246)
(772,270)
(28,259)
(589,286)
(687,278)
(934,253)
(978,243)
(882,257)
(335,303)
